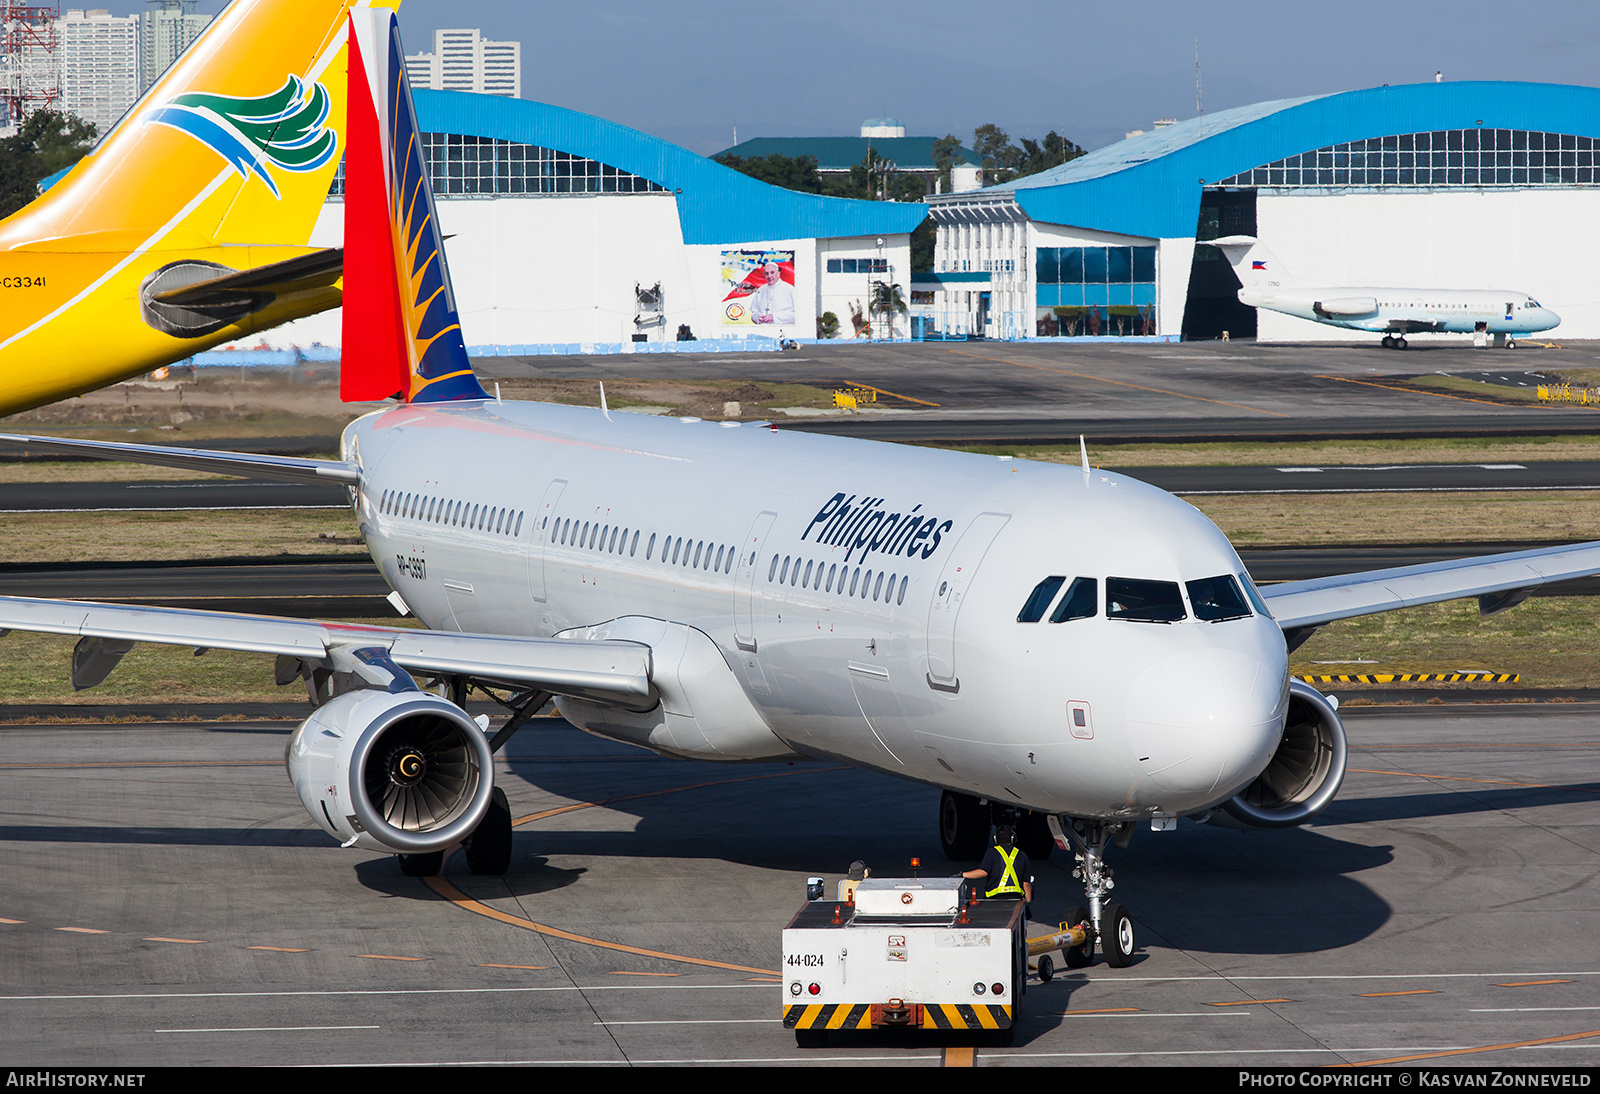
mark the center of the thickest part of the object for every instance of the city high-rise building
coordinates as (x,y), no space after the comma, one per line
(463,60)
(99,65)
(166,29)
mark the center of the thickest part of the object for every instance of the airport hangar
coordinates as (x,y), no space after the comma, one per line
(1440,185)
(569,233)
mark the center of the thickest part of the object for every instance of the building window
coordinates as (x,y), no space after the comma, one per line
(1467,158)
(858,265)
(461,165)
(1094,291)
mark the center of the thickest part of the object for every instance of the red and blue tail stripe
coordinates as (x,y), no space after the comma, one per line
(402,335)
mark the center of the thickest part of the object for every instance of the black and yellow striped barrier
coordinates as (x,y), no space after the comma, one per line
(1416,678)
(934,1016)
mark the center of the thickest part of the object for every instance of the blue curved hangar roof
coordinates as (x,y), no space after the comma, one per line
(715,204)
(1150,185)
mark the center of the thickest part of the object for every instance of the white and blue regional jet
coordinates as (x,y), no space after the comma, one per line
(1069,643)
(1394,313)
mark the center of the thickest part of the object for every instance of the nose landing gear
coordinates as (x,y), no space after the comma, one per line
(1110,923)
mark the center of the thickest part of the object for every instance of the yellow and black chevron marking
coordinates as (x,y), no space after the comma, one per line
(934,1016)
(1416,678)
(828,1016)
(966,1016)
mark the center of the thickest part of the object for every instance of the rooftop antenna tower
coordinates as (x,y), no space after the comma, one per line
(30,69)
(1198,109)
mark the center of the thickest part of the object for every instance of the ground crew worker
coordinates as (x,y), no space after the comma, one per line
(1007,868)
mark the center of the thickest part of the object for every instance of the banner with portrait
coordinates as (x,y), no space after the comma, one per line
(758,289)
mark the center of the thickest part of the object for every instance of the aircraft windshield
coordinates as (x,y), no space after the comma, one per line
(1217,598)
(1144,601)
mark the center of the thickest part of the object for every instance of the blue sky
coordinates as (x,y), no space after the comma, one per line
(691,72)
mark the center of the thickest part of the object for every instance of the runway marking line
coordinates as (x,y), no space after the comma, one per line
(13,921)
(1383,994)
(960,1056)
(389,957)
(896,394)
(1481,1048)
(1249,1002)
(627,972)
(1418,391)
(461,900)
(82,930)
(1120,383)
(493,965)
(185,941)
(277,949)
(1531,983)
(1465,779)
(1103,1010)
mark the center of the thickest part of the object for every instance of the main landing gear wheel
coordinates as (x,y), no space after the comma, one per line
(963,826)
(488,849)
(1033,836)
(1388,342)
(427,865)
(1079,957)
(1116,936)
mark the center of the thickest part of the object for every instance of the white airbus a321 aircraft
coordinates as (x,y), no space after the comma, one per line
(1073,644)
(1394,313)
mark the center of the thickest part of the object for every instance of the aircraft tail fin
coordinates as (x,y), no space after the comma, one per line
(1257,267)
(236,143)
(402,334)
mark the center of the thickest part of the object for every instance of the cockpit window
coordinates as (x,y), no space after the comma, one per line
(1217,598)
(1038,601)
(1081,601)
(1144,601)
(1257,601)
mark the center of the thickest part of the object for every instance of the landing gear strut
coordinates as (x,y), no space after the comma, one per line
(1111,923)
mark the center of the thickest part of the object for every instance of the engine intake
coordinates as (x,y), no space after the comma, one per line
(401,772)
(1305,772)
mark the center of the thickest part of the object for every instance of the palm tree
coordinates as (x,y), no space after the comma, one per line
(887,300)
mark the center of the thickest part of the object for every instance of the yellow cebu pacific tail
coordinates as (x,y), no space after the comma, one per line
(187,225)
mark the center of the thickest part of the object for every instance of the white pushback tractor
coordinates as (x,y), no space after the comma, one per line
(908,953)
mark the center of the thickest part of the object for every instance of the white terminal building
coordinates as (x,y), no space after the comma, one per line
(568,233)
(1438,185)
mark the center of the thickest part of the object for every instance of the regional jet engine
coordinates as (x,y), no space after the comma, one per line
(1304,773)
(404,772)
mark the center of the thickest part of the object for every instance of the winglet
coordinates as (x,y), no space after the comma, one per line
(1083,451)
(402,335)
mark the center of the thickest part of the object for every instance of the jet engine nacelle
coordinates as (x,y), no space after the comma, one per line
(1346,307)
(405,772)
(1304,773)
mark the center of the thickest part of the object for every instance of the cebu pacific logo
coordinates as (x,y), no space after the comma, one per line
(285,128)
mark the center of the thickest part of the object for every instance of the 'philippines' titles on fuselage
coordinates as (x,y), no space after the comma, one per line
(870,528)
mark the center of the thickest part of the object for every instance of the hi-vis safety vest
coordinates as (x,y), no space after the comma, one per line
(1009,885)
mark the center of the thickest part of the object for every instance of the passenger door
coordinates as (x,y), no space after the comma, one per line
(950,592)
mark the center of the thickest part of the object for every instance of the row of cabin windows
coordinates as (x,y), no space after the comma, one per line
(1214,600)
(827,578)
(616,540)
(455,514)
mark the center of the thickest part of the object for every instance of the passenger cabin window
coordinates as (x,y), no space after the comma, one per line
(1081,602)
(1144,601)
(1038,601)
(1217,598)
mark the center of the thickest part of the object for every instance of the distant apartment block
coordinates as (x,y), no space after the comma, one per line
(166,29)
(463,60)
(99,65)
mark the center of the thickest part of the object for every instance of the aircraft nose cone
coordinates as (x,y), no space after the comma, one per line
(1204,721)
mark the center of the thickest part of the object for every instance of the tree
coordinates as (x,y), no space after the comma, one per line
(887,300)
(1000,157)
(789,172)
(47,142)
(923,241)
(945,152)
(1039,156)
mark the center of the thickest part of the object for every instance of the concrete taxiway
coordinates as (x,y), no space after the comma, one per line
(168,902)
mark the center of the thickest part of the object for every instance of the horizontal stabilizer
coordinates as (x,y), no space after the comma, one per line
(277,468)
(317,270)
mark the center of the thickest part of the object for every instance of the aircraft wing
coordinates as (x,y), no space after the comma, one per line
(1498,581)
(615,669)
(279,468)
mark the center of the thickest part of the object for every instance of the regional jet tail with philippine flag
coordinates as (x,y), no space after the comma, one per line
(1394,313)
(1070,648)
(187,225)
